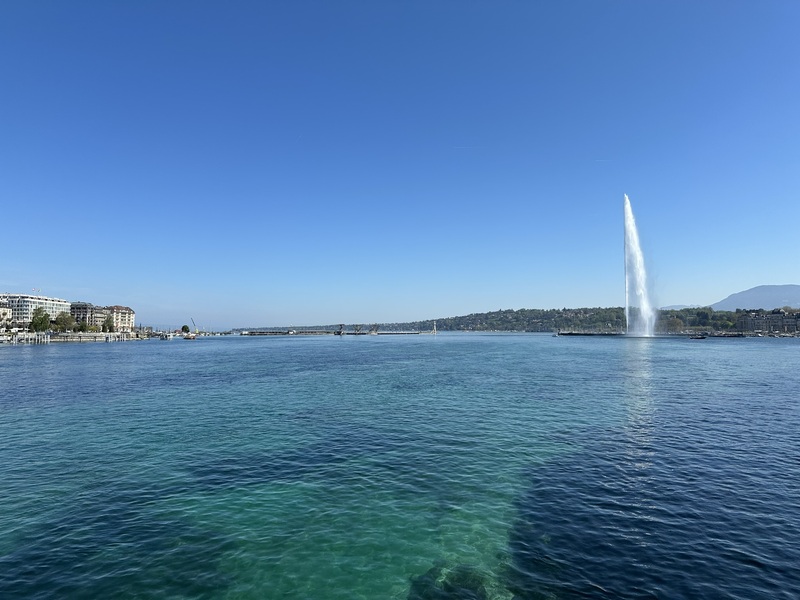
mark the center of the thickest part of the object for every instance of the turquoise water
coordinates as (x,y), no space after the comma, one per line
(450,466)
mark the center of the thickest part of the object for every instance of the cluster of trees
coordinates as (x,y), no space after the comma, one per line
(706,318)
(526,319)
(40,321)
(575,319)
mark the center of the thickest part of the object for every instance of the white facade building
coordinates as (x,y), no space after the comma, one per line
(23,305)
(123,318)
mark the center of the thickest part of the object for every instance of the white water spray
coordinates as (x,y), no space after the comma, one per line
(639,314)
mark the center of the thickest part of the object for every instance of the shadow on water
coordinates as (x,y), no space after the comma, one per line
(557,548)
(118,540)
(114,544)
(583,526)
(587,511)
(657,506)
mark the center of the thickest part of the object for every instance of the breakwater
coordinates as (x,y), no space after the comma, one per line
(326,332)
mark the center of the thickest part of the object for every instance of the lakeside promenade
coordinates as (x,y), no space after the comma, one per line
(26,337)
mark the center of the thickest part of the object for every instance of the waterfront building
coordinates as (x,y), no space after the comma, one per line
(776,321)
(123,317)
(23,305)
(781,322)
(5,313)
(86,312)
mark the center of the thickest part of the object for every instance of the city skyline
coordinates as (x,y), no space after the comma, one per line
(306,163)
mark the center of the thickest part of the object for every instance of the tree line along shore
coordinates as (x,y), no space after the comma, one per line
(598,320)
(611,320)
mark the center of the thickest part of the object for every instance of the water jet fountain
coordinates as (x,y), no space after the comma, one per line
(640,316)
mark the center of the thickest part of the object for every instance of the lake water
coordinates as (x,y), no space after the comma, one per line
(393,467)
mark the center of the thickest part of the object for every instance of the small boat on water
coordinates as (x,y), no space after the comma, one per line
(698,336)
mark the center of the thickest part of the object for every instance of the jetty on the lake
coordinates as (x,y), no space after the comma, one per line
(325,332)
(588,333)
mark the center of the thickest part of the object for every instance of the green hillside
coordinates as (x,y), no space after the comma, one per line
(572,319)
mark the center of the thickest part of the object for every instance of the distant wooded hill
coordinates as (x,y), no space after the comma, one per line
(572,319)
(719,317)
(525,319)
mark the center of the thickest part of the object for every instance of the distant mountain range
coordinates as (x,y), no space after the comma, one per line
(762,296)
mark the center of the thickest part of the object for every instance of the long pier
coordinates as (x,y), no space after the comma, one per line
(325,332)
(75,337)
(589,333)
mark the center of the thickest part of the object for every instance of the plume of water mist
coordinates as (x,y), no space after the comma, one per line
(639,313)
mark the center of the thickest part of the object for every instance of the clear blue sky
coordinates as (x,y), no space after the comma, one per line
(277,163)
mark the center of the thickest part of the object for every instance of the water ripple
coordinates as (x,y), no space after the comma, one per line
(502,467)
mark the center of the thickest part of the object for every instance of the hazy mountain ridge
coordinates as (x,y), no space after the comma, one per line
(762,296)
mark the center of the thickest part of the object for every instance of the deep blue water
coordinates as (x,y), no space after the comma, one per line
(421,467)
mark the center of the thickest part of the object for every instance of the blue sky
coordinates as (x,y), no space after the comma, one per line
(289,163)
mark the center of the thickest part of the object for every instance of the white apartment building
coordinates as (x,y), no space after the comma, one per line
(122,316)
(23,305)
